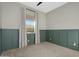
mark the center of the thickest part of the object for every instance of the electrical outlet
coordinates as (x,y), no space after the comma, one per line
(74,44)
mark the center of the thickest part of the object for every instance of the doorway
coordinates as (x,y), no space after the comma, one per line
(30,27)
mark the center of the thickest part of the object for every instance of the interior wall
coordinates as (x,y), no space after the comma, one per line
(0,15)
(10,15)
(0,28)
(63,26)
(65,17)
(41,21)
(41,26)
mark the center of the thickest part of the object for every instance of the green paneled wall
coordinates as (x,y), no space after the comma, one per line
(47,36)
(73,38)
(57,36)
(63,37)
(66,38)
(0,40)
(31,38)
(42,35)
(10,39)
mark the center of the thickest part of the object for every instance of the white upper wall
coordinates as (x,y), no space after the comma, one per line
(41,21)
(0,15)
(10,15)
(65,17)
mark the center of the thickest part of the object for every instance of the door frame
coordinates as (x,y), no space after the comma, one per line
(22,37)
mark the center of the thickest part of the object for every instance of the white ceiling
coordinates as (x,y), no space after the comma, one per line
(45,6)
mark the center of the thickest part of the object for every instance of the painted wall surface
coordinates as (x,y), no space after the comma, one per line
(62,25)
(65,17)
(0,14)
(0,28)
(10,39)
(0,39)
(10,15)
(31,39)
(41,25)
(43,35)
(66,38)
(41,20)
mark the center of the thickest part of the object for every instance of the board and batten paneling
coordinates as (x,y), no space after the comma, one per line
(73,39)
(0,39)
(10,39)
(31,38)
(42,35)
(63,38)
(58,37)
(66,38)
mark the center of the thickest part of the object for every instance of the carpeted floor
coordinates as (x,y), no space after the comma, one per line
(44,49)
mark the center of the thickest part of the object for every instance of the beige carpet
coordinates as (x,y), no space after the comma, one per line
(44,49)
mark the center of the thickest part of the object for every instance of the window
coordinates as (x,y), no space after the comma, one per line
(30,25)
